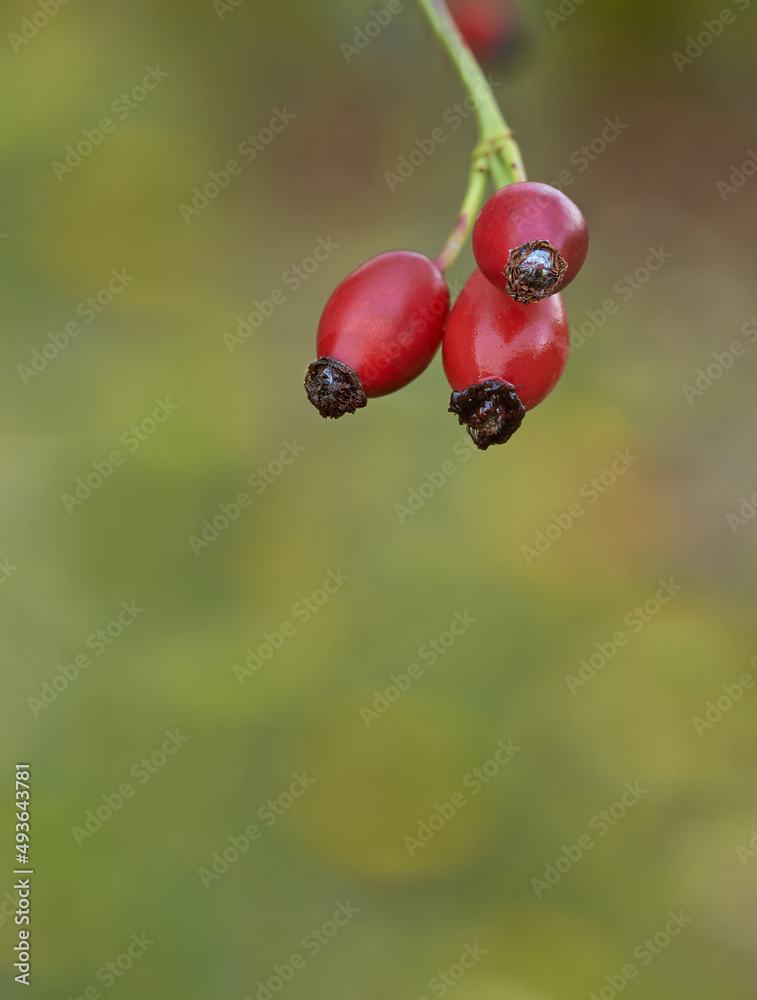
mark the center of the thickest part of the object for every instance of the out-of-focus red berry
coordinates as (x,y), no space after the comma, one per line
(489,27)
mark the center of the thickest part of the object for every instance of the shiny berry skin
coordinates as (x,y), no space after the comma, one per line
(489,27)
(380,329)
(530,240)
(501,357)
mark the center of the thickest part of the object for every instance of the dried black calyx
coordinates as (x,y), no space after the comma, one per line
(533,271)
(491,411)
(334,388)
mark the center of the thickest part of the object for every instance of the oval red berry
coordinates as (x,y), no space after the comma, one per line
(386,319)
(488,336)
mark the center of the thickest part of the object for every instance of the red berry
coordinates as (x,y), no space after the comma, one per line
(502,358)
(379,330)
(488,26)
(530,240)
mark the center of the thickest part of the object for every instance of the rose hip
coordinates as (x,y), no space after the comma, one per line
(490,27)
(530,240)
(502,358)
(380,329)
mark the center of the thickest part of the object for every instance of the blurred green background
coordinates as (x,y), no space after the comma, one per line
(227,414)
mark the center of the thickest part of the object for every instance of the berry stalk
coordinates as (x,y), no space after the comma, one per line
(497,154)
(474,198)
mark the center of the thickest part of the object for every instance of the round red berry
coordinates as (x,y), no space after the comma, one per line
(380,329)
(530,240)
(488,26)
(501,357)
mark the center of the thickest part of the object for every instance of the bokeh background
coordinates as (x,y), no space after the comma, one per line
(683,845)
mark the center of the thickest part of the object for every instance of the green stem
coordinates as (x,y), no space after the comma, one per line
(493,129)
(497,153)
(502,172)
(474,197)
